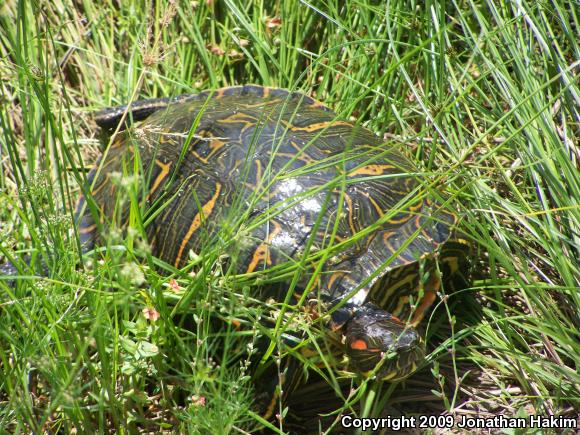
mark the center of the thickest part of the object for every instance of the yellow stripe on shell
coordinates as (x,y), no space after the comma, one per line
(160,177)
(262,252)
(316,126)
(206,210)
(371,170)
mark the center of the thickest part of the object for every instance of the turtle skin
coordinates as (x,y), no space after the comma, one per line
(280,179)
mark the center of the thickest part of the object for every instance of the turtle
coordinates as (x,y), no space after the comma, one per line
(310,182)
(287,181)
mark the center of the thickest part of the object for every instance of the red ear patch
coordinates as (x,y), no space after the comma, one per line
(359,345)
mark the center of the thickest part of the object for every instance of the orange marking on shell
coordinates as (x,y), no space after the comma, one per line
(375,204)
(333,278)
(348,200)
(418,221)
(416,207)
(301,154)
(262,104)
(371,170)
(240,117)
(313,285)
(215,144)
(386,236)
(408,215)
(262,252)
(206,210)
(316,126)
(302,157)
(200,158)
(164,171)
(259,255)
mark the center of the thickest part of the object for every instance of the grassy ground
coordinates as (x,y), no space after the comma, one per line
(484,95)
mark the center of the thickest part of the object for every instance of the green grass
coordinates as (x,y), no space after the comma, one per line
(483,95)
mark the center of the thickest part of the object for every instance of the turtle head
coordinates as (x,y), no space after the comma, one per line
(374,338)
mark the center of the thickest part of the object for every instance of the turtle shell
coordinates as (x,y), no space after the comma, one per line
(275,176)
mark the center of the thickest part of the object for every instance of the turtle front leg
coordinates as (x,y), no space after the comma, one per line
(376,338)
